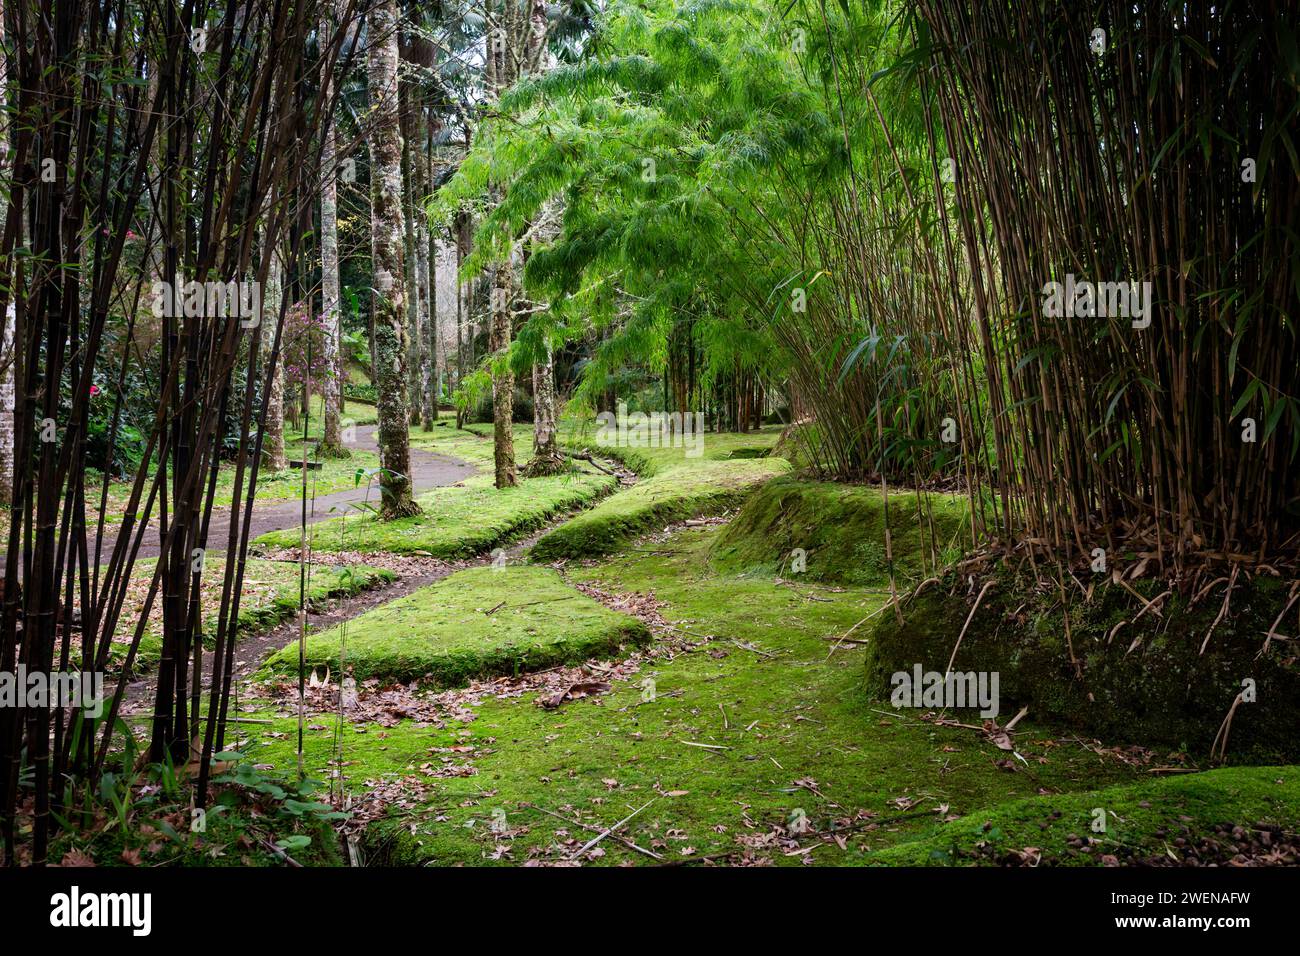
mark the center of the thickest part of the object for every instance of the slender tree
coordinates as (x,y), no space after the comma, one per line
(332,443)
(273,443)
(386,234)
(7,327)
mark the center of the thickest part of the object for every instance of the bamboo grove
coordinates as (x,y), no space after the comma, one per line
(864,206)
(186,122)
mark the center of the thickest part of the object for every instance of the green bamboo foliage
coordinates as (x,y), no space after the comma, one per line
(734,219)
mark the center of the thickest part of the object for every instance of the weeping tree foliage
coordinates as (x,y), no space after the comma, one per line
(181,127)
(732,203)
(866,206)
(1146,143)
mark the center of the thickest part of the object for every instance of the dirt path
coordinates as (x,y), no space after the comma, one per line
(428,470)
(413,574)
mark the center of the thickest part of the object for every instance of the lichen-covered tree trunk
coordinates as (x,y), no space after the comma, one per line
(547,459)
(386,228)
(8,329)
(414,343)
(421,378)
(428,295)
(332,445)
(273,440)
(428,403)
(7,394)
(503,379)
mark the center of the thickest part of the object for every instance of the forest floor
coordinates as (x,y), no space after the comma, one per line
(643,697)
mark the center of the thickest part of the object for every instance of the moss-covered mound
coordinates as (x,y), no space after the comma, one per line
(841,532)
(457,521)
(481,622)
(1171,821)
(269,597)
(673,494)
(1140,679)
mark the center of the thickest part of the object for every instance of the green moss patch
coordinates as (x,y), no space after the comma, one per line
(672,494)
(1166,819)
(1163,690)
(841,531)
(648,462)
(480,622)
(269,597)
(728,742)
(459,520)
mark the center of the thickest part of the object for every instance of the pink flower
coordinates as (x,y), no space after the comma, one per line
(94,390)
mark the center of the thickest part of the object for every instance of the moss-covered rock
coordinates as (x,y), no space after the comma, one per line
(841,531)
(480,622)
(1144,681)
(1141,820)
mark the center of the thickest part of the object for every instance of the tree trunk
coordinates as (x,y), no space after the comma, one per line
(273,443)
(414,343)
(386,227)
(332,387)
(547,459)
(420,377)
(8,347)
(429,303)
(503,379)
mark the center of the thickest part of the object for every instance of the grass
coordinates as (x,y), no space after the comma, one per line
(789,726)
(473,516)
(269,596)
(479,622)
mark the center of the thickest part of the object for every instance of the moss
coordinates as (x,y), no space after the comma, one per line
(1162,691)
(458,521)
(648,462)
(672,494)
(1140,820)
(479,622)
(269,597)
(799,444)
(790,716)
(841,529)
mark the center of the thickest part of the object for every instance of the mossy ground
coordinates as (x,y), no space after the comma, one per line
(763,722)
(461,520)
(479,622)
(672,487)
(1140,819)
(800,733)
(841,530)
(270,595)
(647,462)
(672,494)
